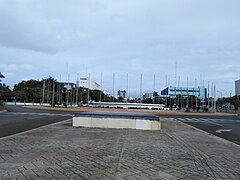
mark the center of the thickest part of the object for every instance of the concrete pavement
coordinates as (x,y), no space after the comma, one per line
(60,151)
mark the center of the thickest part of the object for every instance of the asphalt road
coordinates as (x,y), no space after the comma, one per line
(227,127)
(20,119)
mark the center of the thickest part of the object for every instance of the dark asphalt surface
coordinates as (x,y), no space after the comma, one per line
(226,127)
(20,119)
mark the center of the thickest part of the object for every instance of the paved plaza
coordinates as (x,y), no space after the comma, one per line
(60,151)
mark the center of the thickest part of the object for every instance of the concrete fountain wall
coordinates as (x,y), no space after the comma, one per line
(117,120)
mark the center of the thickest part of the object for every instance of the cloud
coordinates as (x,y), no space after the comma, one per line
(7,74)
(20,30)
(134,37)
(15,67)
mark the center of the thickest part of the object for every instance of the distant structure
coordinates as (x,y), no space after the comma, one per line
(172,92)
(122,94)
(237,88)
(148,96)
(89,83)
(69,85)
(128,105)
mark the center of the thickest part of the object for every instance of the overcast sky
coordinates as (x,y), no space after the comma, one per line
(194,39)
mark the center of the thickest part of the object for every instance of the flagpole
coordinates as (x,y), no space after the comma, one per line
(154,79)
(127,93)
(101,88)
(141,88)
(113,86)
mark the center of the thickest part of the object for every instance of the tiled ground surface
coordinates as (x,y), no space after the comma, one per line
(60,151)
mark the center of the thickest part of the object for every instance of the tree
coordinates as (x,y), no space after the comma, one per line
(5,94)
(28,91)
(1,76)
(147,101)
(235,102)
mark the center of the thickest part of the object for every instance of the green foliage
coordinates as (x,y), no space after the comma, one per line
(234,101)
(1,76)
(28,91)
(120,99)
(148,101)
(5,92)
(95,95)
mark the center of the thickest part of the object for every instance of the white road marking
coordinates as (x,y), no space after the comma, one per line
(223,130)
(214,123)
(202,120)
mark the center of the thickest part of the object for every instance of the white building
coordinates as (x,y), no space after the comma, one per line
(89,83)
(237,88)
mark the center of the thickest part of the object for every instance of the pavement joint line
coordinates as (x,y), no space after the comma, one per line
(34,129)
(209,133)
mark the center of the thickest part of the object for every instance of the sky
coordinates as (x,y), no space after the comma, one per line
(179,41)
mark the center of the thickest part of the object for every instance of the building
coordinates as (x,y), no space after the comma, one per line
(69,85)
(171,91)
(89,83)
(148,96)
(122,94)
(237,88)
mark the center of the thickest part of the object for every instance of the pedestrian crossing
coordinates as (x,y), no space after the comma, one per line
(199,119)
